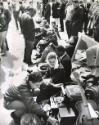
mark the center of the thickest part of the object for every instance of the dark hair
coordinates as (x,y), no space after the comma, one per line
(35,77)
(60,49)
(1,3)
(20,2)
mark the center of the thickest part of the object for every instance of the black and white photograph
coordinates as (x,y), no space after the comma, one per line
(49,62)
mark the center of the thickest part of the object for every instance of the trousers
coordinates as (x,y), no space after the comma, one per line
(28,51)
(2,41)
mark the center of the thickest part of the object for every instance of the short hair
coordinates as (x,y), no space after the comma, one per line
(35,77)
(1,3)
(20,2)
(60,49)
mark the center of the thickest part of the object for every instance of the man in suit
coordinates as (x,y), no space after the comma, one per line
(62,14)
(28,30)
(48,11)
(65,61)
(4,22)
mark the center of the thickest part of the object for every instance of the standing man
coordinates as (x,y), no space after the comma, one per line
(62,14)
(28,30)
(44,6)
(16,10)
(56,12)
(74,19)
(4,22)
(48,11)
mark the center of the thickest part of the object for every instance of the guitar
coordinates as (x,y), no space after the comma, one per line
(86,108)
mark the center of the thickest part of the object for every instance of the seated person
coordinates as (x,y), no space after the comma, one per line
(57,75)
(21,100)
(65,61)
(55,70)
(48,49)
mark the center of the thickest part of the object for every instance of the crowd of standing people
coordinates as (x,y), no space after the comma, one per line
(69,16)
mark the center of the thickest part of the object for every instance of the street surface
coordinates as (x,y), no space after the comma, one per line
(11,64)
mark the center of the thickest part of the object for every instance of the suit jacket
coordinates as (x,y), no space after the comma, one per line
(66,62)
(56,10)
(62,11)
(77,20)
(57,75)
(28,27)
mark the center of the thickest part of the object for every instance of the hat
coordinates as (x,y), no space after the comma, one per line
(43,67)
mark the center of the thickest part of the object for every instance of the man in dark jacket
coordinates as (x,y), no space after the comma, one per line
(44,6)
(56,10)
(4,21)
(65,61)
(62,14)
(48,12)
(74,19)
(28,30)
(56,74)
(20,98)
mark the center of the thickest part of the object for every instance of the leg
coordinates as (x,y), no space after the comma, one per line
(3,39)
(6,42)
(62,24)
(0,41)
(18,106)
(28,51)
(68,28)
(16,19)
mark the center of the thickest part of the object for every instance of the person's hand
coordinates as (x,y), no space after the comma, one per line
(47,81)
(53,121)
(57,85)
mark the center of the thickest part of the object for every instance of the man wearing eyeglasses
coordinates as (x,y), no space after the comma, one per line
(74,18)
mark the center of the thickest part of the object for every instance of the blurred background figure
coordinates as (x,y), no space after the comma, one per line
(28,31)
(74,19)
(62,14)
(5,18)
(39,9)
(16,10)
(56,12)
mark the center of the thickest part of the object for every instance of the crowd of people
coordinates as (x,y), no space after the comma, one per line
(49,64)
